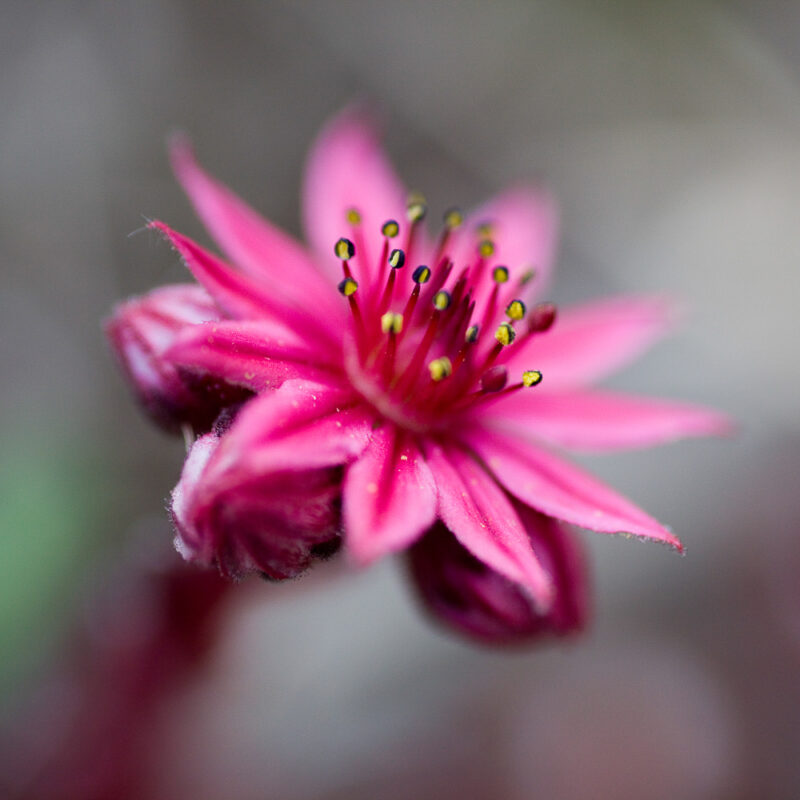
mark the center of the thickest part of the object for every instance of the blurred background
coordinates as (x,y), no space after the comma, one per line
(670,132)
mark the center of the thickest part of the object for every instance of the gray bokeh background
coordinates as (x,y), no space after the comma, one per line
(670,133)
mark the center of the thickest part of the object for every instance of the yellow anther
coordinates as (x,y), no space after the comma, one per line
(485,248)
(527,276)
(344,249)
(531,377)
(417,208)
(515,309)
(392,322)
(353,216)
(442,300)
(390,228)
(500,274)
(472,334)
(505,334)
(421,274)
(396,259)
(348,287)
(484,229)
(440,368)
(453,218)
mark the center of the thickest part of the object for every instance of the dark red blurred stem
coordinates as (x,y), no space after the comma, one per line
(84,734)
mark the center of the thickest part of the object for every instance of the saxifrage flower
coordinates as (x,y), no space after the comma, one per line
(393,391)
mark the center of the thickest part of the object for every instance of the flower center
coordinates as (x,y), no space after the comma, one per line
(428,344)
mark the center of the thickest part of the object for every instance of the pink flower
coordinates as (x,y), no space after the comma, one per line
(141,330)
(465,594)
(428,392)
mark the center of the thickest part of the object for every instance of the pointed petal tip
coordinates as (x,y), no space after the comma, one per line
(180,151)
(183,244)
(666,537)
(544,596)
(359,113)
(537,194)
(722,425)
(158,225)
(703,422)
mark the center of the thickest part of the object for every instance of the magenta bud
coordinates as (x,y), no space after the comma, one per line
(494,379)
(541,317)
(141,330)
(465,594)
(241,522)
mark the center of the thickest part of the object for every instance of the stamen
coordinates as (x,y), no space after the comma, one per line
(531,377)
(408,377)
(505,334)
(353,216)
(440,368)
(397,258)
(486,248)
(484,229)
(459,288)
(442,300)
(491,305)
(494,379)
(408,311)
(422,274)
(527,277)
(438,279)
(417,209)
(541,318)
(459,319)
(392,325)
(390,228)
(515,310)
(500,274)
(392,322)
(453,218)
(344,249)
(348,287)
(485,252)
(470,337)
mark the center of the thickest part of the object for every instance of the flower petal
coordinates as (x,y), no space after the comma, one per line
(598,421)
(482,518)
(473,599)
(250,241)
(347,169)
(301,425)
(273,523)
(560,489)
(389,496)
(256,354)
(524,228)
(140,330)
(188,542)
(239,295)
(591,341)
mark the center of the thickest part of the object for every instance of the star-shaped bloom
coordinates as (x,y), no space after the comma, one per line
(394,392)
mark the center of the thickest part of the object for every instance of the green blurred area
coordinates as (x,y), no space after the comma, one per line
(50,512)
